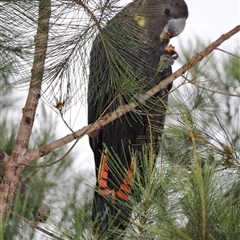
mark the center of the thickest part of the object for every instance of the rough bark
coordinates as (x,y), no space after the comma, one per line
(13,170)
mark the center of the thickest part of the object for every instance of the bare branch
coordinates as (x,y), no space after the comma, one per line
(121,110)
(54,162)
(234,55)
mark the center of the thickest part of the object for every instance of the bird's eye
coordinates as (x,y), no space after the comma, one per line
(167,11)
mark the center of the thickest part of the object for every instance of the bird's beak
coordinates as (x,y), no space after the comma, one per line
(173,28)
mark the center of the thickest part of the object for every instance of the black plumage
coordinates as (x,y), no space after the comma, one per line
(127,59)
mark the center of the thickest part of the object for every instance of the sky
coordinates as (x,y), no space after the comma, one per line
(208,19)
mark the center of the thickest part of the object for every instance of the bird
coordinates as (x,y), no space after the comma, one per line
(128,57)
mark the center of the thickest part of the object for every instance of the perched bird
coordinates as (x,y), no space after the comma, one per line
(129,57)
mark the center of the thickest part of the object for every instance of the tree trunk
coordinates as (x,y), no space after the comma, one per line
(14,164)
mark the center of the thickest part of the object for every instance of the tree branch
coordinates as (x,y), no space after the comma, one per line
(123,109)
(29,110)
(12,172)
(231,54)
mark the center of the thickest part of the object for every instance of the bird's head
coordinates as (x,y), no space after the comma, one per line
(166,18)
(175,12)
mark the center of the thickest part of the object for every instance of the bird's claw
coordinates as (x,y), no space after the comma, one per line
(166,61)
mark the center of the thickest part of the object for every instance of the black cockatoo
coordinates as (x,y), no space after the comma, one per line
(128,57)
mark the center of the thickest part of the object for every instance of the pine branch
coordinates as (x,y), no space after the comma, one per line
(94,128)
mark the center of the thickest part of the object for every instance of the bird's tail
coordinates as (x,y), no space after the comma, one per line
(111,208)
(109,218)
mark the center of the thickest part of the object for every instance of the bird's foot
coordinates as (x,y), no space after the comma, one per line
(166,61)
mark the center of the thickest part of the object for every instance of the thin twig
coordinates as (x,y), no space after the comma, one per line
(61,114)
(234,55)
(210,90)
